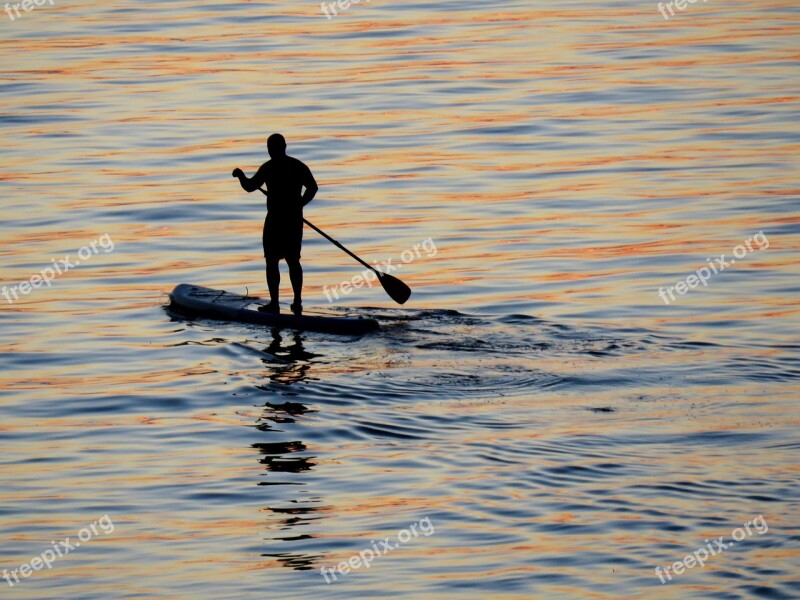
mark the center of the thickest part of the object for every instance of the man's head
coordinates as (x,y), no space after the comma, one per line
(276,144)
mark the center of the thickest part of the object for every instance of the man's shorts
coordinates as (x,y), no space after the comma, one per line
(282,238)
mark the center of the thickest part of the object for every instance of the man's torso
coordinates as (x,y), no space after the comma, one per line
(285,178)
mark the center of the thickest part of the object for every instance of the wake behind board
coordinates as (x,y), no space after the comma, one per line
(225,306)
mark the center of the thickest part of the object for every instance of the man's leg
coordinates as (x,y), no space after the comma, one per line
(296,275)
(273,279)
(273,270)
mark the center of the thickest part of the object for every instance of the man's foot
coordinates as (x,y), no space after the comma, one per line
(272,307)
(297,307)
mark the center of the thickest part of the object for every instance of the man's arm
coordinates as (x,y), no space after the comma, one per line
(311,186)
(251,184)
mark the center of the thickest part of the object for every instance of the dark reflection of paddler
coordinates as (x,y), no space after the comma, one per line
(293,355)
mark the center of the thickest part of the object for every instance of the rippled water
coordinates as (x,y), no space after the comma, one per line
(561,428)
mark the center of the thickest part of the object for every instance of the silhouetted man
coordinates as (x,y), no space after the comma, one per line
(283,228)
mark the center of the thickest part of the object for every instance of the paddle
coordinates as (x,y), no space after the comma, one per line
(397,290)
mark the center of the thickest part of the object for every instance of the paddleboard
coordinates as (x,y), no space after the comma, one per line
(225,306)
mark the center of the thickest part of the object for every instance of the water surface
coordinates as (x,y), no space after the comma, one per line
(562,428)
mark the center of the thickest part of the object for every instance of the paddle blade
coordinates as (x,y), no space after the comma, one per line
(397,290)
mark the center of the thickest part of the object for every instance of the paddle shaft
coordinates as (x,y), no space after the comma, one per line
(338,245)
(335,243)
